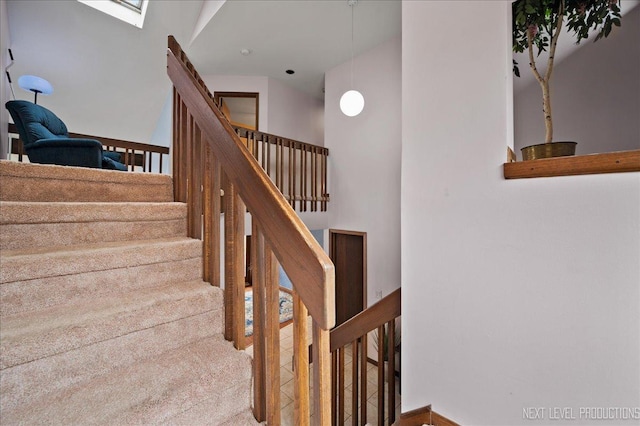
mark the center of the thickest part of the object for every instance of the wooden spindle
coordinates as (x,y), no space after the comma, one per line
(381,375)
(391,376)
(195,184)
(300,363)
(321,376)
(290,176)
(272,331)
(335,389)
(259,354)
(354,382)
(341,390)
(234,265)
(363,379)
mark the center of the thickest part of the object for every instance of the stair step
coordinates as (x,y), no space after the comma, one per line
(208,377)
(32,295)
(30,264)
(35,335)
(244,418)
(26,383)
(46,183)
(33,224)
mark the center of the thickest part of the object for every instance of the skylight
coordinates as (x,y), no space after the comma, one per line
(129,11)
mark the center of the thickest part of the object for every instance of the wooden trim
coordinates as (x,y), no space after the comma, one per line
(612,162)
(382,312)
(255,95)
(422,416)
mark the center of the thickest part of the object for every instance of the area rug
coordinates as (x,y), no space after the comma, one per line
(286,310)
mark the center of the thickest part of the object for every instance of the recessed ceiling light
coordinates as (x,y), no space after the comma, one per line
(290,72)
(245,52)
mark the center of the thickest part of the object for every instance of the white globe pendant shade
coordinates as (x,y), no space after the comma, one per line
(351,103)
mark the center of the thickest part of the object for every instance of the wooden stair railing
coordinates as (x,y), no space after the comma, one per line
(208,155)
(135,155)
(299,169)
(380,317)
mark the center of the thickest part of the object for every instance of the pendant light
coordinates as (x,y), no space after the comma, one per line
(352,101)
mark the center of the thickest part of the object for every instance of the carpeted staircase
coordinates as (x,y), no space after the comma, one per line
(104,317)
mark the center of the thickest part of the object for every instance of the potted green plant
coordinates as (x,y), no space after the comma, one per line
(537,25)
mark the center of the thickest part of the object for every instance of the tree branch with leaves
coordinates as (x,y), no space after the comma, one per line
(537,25)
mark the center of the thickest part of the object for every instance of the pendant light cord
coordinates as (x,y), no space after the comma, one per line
(353,5)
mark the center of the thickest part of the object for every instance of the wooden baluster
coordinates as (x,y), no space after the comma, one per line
(277,164)
(354,382)
(334,387)
(268,157)
(303,178)
(341,390)
(381,375)
(391,376)
(363,379)
(300,363)
(259,354)
(272,338)
(160,164)
(323,183)
(321,376)
(183,158)
(313,179)
(195,186)
(175,149)
(263,151)
(234,265)
(295,170)
(290,176)
(211,216)
(281,165)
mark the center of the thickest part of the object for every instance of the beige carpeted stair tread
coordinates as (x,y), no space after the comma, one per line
(30,295)
(27,264)
(31,225)
(153,391)
(244,418)
(31,336)
(44,182)
(24,212)
(25,383)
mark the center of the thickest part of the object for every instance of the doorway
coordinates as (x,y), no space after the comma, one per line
(348,251)
(240,108)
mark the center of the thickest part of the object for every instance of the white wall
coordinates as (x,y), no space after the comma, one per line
(517,293)
(595,98)
(364,160)
(295,114)
(5,90)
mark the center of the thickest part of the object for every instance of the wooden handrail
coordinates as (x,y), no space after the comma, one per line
(133,153)
(208,155)
(380,317)
(385,310)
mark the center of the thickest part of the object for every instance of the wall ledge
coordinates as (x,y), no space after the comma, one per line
(611,162)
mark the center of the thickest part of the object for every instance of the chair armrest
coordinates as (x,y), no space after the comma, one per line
(66,152)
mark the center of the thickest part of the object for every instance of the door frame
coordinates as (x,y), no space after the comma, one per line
(363,235)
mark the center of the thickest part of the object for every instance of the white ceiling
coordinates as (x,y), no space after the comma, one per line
(307,36)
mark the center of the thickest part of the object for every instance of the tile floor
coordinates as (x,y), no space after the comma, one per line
(286,384)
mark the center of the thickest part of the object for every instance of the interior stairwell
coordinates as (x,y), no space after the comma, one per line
(104,317)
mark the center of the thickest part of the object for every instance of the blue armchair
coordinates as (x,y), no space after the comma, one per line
(46,140)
